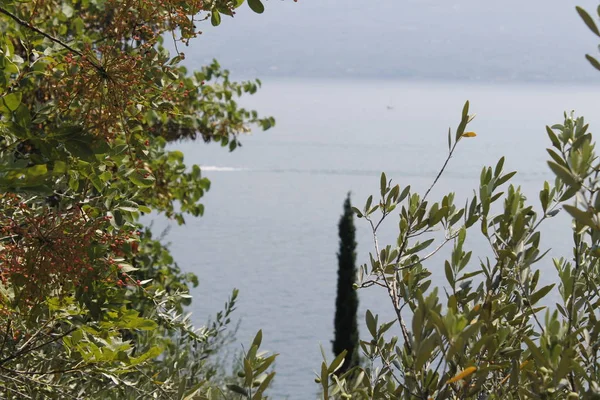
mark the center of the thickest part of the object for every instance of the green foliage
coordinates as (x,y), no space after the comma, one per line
(591,24)
(346,303)
(490,333)
(91,305)
(255,374)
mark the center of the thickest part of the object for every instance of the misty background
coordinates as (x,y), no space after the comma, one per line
(512,40)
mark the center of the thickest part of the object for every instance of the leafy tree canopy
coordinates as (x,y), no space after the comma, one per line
(90,303)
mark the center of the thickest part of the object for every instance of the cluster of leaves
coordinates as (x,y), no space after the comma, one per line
(492,333)
(46,252)
(254,375)
(91,305)
(489,335)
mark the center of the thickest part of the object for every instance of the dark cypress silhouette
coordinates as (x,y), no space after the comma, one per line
(346,303)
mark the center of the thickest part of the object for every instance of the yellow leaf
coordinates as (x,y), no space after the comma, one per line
(469,134)
(461,375)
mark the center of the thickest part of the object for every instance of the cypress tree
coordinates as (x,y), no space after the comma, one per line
(346,304)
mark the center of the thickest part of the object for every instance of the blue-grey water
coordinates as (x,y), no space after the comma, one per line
(270,226)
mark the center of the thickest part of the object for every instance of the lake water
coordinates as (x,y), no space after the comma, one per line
(270,227)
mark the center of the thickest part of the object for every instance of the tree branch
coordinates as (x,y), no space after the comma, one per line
(19,353)
(28,25)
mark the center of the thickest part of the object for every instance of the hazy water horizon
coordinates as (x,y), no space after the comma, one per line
(543,40)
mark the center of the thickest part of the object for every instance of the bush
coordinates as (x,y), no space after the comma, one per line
(487,335)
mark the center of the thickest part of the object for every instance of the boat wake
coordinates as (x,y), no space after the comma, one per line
(221,169)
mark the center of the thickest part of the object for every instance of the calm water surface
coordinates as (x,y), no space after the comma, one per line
(270,227)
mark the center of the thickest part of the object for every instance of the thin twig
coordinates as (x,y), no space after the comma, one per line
(572,311)
(54,339)
(44,384)
(6,335)
(77,367)
(30,26)
(440,172)
(23,395)
(158,387)
(428,255)
(391,292)
(389,366)
(372,282)
(34,336)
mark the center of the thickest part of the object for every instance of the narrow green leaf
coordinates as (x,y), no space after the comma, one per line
(588,20)
(385,327)
(425,351)
(371,323)
(325,380)
(564,366)
(359,214)
(248,369)
(504,178)
(557,158)
(368,204)
(593,61)
(215,18)
(256,6)
(263,386)
(404,193)
(581,216)
(257,339)
(337,363)
(537,296)
(569,193)
(323,352)
(460,130)
(394,192)
(465,111)
(469,275)
(563,174)
(129,209)
(237,389)
(124,267)
(449,273)
(499,167)
(266,363)
(553,137)
(420,246)
(535,351)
